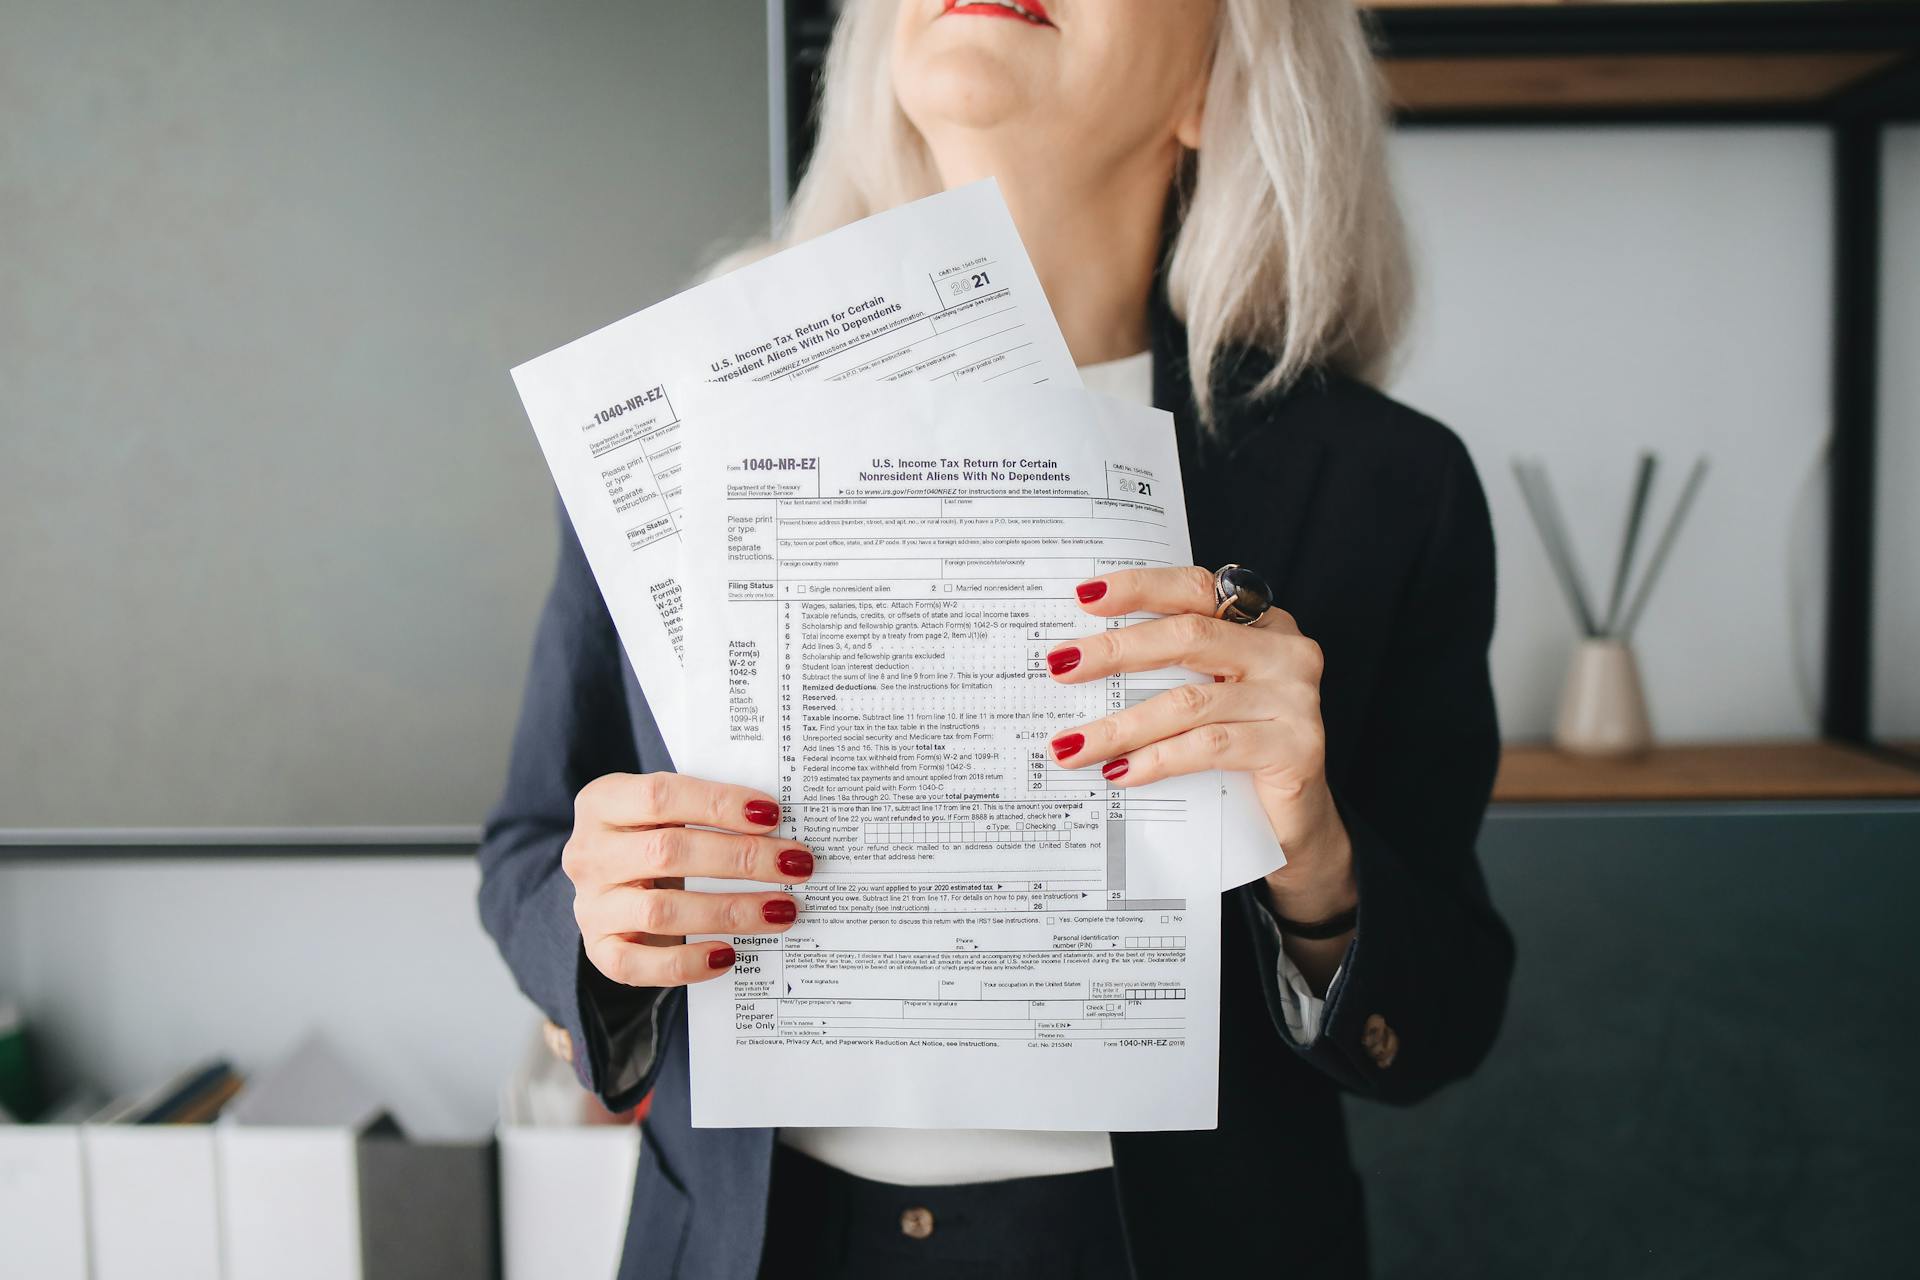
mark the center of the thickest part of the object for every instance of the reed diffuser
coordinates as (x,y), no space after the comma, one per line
(1603,707)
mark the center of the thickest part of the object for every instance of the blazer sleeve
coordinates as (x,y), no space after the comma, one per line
(574,727)
(1423,987)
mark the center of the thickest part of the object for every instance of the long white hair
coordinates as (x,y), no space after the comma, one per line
(1289,239)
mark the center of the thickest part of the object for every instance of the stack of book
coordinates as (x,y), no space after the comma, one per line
(300,1173)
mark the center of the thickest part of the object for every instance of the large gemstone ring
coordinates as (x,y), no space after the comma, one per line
(1240,595)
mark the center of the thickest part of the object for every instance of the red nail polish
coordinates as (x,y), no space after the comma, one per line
(720,958)
(1114,770)
(763,813)
(778,911)
(1061,661)
(797,863)
(1090,591)
(1066,744)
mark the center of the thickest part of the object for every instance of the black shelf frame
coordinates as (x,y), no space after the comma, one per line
(1857,116)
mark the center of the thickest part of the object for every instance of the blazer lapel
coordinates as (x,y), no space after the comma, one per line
(1269,484)
(1251,481)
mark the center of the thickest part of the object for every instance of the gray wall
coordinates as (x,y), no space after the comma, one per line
(276,528)
(1896,655)
(133,970)
(1587,293)
(1592,292)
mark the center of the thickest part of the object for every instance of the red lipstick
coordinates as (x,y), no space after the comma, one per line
(1032,12)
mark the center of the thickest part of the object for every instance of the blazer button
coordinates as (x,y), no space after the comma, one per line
(916,1223)
(1380,1041)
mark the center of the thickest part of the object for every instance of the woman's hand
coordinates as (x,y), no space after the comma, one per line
(636,837)
(1261,716)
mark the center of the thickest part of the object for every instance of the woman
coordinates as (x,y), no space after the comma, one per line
(1202,189)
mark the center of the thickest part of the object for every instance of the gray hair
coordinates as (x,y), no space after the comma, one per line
(1289,238)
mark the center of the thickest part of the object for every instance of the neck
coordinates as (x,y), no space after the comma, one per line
(1094,240)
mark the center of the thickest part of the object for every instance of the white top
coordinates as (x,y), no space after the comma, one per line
(936,1157)
(1128,378)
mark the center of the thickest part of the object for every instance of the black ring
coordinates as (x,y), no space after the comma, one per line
(1240,595)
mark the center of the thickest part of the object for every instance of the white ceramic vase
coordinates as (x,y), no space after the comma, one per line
(1603,711)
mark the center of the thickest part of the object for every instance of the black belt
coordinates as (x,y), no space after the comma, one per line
(826,1224)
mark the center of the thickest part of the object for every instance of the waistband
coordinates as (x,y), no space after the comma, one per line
(823,1221)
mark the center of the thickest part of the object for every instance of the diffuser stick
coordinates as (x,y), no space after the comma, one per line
(1546,519)
(1629,539)
(1551,505)
(1659,561)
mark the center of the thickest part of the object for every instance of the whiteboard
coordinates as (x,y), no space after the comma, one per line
(275,529)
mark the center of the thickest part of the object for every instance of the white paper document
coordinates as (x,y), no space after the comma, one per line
(875,575)
(938,291)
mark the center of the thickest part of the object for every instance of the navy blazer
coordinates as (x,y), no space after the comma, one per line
(1369,521)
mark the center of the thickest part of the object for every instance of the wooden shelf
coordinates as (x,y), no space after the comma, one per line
(1641,80)
(1544,60)
(1533,774)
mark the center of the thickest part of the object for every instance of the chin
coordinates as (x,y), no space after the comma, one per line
(969,73)
(966,88)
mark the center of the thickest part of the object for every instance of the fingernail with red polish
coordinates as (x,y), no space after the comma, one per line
(1066,744)
(797,863)
(720,958)
(1090,591)
(763,813)
(1061,661)
(1114,770)
(778,911)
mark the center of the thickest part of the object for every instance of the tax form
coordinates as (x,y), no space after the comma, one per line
(875,575)
(939,291)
